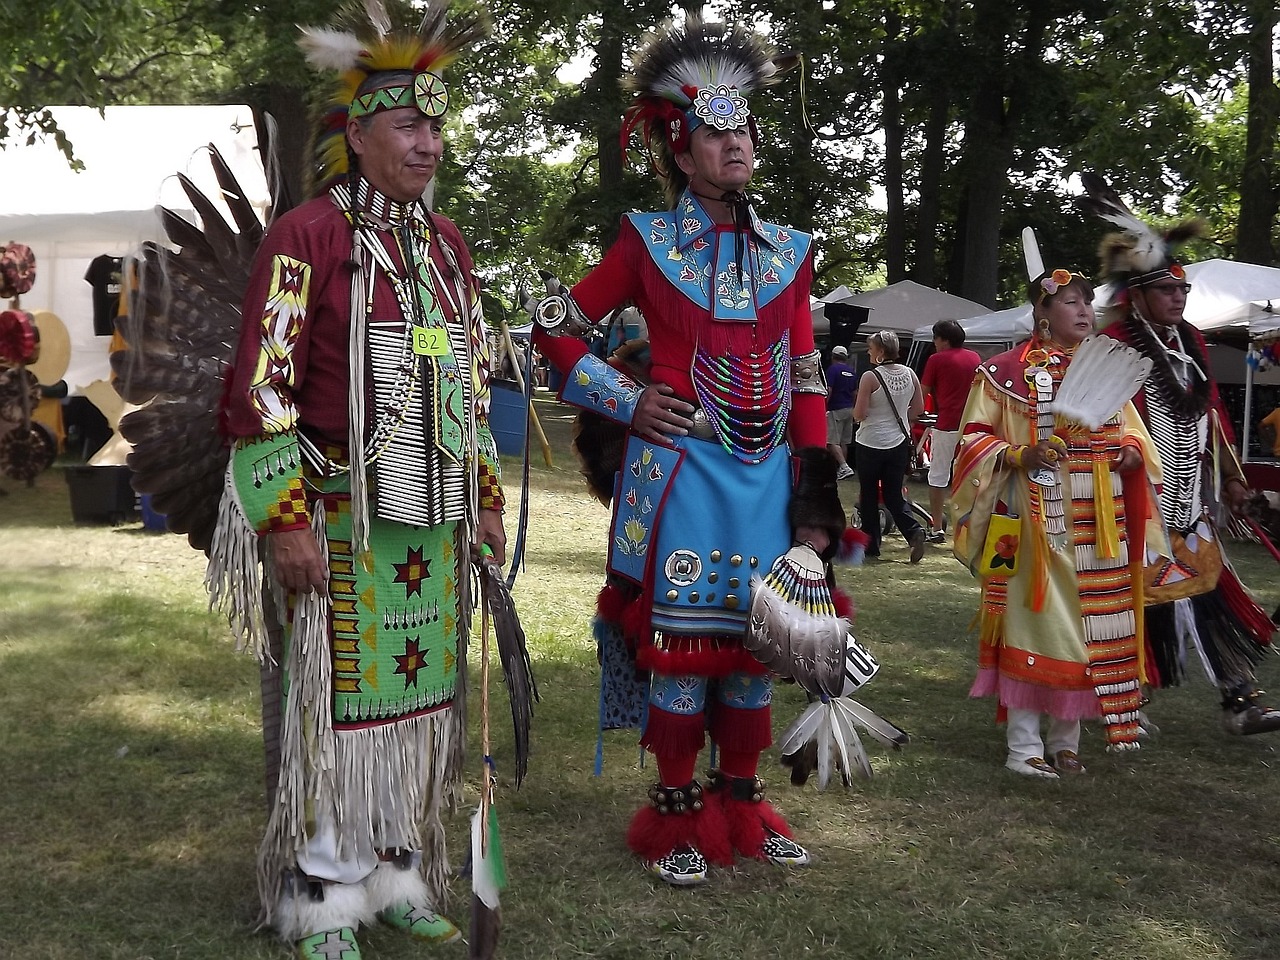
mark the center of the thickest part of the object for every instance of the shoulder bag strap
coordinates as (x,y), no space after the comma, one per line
(893,407)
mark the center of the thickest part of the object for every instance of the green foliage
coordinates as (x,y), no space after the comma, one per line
(920,135)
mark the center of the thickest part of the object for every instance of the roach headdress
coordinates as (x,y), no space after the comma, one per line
(1139,254)
(692,72)
(386,55)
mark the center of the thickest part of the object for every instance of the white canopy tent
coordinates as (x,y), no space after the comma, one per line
(1001,329)
(130,157)
(905,305)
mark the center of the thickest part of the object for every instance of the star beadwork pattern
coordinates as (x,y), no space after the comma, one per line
(413,571)
(410,662)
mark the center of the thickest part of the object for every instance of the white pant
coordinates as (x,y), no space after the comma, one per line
(1023,734)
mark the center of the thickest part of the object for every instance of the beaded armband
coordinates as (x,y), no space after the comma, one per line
(267,474)
(596,386)
(807,375)
(1013,455)
(491,497)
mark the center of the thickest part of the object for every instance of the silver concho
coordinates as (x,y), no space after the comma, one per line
(683,567)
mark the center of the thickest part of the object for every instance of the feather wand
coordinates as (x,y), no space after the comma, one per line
(488,871)
(513,652)
(794,630)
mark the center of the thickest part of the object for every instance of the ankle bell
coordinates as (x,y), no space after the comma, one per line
(676,800)
(746,789)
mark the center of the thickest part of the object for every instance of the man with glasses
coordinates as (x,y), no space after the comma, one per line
(1195,603)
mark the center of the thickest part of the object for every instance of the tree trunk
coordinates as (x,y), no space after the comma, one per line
(933,164)
(895,234)
(292,146)
(608,124)
(1259,189)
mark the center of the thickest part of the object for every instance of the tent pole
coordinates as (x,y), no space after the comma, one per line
(1248,406)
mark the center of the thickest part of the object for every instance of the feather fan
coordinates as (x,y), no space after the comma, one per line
(1103,376)
(513,652)
(181,330)
(792,628)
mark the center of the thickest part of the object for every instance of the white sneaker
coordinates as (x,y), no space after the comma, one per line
(845,472)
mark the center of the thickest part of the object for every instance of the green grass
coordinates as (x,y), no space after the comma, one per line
(131,783)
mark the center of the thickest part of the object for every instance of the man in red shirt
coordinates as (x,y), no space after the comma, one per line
(948,374)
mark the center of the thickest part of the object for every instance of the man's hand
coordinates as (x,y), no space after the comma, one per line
(1127,460)
(1236,496)
(661,414)
(297,561)
(489,530)
(816,537)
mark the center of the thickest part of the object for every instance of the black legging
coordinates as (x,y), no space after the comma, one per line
(887,470)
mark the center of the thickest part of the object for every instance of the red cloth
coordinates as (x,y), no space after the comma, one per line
(948,375)
(319,236)
(676,325)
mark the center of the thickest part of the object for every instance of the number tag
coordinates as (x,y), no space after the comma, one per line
(430,343)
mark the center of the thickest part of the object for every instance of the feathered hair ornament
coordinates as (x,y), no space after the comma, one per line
(378,37)
(690,73)
(1140,254)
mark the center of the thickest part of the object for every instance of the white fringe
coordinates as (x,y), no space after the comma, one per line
(233,576)
(389,782)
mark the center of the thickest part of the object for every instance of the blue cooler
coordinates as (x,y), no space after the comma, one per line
(150,519)
(508,416)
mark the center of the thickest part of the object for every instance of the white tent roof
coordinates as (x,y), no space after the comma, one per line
(130,157)
(1011,325)
(906,305)
(1226,293)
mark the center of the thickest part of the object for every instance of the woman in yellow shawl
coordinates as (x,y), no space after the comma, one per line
(1051,517)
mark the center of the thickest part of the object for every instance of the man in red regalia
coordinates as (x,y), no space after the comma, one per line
(724,464)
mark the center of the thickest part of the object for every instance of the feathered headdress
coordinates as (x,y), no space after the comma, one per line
(690,73)
(1140,254)
(374,37)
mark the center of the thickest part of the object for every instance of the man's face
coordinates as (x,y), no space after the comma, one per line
(718,160)
(1162,302)
(399,150)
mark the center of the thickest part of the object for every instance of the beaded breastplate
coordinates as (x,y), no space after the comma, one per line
(746,398)
(701,261)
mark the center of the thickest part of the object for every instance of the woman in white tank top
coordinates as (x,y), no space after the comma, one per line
(889,401)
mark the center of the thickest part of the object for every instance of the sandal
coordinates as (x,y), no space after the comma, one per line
(1034,767)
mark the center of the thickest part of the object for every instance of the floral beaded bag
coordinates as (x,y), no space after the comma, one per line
(999,556)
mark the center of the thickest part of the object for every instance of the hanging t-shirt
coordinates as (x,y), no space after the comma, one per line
(104,276)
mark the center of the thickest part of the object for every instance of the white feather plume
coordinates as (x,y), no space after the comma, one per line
(1145,249)
(1104,375)
(329,49)
(376,11)
(1031,254)
(832,726)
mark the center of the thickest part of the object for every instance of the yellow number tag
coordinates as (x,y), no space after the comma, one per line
(430,343)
